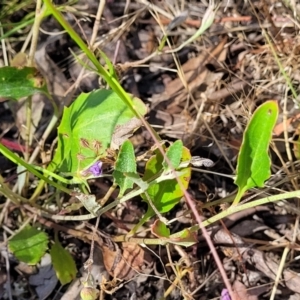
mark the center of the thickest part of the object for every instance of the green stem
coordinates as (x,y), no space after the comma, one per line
(210,221)
(19,161)
(234,209)
(108,76)
(113,82)
(9,194)
(136,192)
(39,15)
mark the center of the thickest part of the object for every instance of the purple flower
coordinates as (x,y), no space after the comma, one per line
(95,170)
(225,295)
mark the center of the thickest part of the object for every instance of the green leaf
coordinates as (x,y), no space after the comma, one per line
(166,194)
(253,167)
(86,129)
(29,245)
(174,153)
(17,83)
(160,229)
(183,238)
(125,163)
(63,263)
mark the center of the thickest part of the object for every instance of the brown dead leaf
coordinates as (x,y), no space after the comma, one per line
(19,60)
(259,260)
(123,132)
(241,292)
(123,263)
(57,83)
(178,122)
(230,89)
(291,124)
(195,73)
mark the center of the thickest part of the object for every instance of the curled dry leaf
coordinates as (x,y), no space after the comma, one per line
(125,262)
(57,83)
(123,132)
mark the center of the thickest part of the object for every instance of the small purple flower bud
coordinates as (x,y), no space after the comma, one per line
(225,295)
(96,168)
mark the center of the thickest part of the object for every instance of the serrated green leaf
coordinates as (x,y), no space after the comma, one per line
(125,163)
(174,154)
(17,83)
(29,245)
(254,163)
(86,129)
(63,263)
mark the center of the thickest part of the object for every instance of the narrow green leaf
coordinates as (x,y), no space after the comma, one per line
(63,263)
(109,65)
(253,167)
(174,154)
(125,163)
(17,83)
(29,245)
